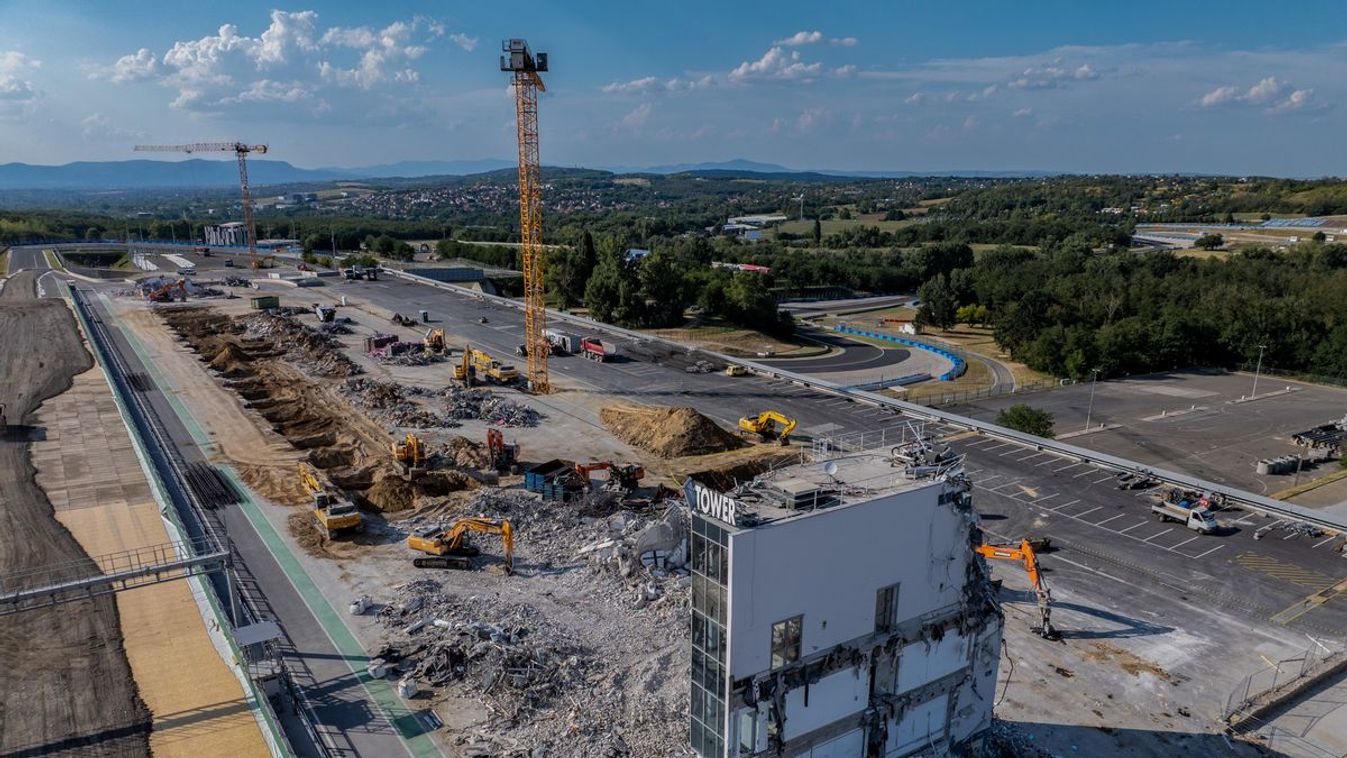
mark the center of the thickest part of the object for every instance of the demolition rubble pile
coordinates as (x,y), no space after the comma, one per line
(610,682)
(392,403)
(317,353)
(667,432)
(463,403)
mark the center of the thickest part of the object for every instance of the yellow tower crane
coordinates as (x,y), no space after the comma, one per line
(240,151)
(519,60)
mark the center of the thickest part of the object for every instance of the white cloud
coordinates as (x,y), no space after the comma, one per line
(776,63)
(1219,96)
(635,85)
(1267,92)
(844,71)
(293,62)
(916,98)
(14,88)
(844,41)
(809,118)
(638,116)
(687,85)
(1054,74)
(970,123)
(1023,113)
(801,38)
(97,127)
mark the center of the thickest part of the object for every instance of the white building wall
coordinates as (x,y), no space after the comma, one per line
(828,566)
(922,662)
(913,728)
(849,745)
(830,698)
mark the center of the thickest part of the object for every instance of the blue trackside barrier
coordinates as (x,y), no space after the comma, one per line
(956,370)
(897,381)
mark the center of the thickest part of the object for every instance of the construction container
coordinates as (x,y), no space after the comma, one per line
(538,476)
(266,302)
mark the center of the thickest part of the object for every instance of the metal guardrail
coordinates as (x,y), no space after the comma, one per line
(1113,463)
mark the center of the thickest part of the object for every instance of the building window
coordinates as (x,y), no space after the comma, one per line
(886,609)
(786,641)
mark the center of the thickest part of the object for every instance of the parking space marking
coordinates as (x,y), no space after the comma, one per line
(1246,520)
(1003,444)
(1066,505)
(1130,528)
(1064,468)
(1110,518)
(1102,479)
(1031,455)
(1185,542)
(1086,513)
(986,479)
(1161,534)
(1325,541)
(1086,472)
(1209,552)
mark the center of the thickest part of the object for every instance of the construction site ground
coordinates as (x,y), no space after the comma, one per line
(1241,589)
(88,468)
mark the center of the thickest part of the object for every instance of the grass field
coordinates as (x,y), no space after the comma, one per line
(742,342)
(835,225)
(4,261)
(977,377)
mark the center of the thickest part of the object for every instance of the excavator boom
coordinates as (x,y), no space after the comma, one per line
(450,549)
(1025,554)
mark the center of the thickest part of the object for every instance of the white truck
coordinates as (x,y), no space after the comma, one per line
(1198,519)
(565,341)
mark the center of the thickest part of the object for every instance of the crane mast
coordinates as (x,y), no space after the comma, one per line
(525,66)
(240,151)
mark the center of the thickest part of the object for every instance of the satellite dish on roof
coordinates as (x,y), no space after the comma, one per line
(830,468)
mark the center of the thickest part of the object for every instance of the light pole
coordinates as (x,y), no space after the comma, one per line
(1256,370)
(1090,411)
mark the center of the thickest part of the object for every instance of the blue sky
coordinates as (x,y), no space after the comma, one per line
(1230,87)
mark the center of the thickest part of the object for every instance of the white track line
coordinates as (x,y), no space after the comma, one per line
(1110,518)
(1130,528)
(1185,542)
(1209,552)
(1161,534)
(1064,468)
(1086,513)
(1329,539)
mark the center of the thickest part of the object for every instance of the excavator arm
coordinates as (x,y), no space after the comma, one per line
(763,422)
(450,543)
(1026,555)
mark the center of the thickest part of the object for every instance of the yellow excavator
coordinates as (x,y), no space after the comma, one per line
(764,425)
(450,548)
(411,453)
(332,514)
(1025,553)
(268,261)
(479,364)
(434,340)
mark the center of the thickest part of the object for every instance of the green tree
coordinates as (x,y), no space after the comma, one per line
(939,307)
(818,232)
(1209,241)
(1022,418)
(1319,236)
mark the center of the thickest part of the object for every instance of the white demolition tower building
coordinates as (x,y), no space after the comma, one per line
(839,611)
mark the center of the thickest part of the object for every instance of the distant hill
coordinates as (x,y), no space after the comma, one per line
(145,174)
(201,173)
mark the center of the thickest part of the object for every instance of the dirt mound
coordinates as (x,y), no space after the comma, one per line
(230,357)
(391,494)
(331,457)
(667,432)
(465,453)
(734,472)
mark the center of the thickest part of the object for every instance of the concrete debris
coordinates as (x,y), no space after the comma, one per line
(317,353)
(1006,740)
(483,404)
(392,403)
(700,367)
(232,280)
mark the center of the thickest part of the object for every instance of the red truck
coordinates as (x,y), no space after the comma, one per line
(596,350)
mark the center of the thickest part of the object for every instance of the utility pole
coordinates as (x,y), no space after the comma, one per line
(1090,411)
(1257,369)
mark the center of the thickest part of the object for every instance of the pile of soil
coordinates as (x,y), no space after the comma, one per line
(391,494)
(731,473)
(668,432)
(464,453)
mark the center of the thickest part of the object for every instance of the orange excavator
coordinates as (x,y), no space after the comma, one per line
(1024,553)
(450,548)
(411,453)
(165,294)
(623,475)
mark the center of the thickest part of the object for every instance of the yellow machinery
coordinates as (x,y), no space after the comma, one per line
(764,423)
(434,340)
(411,453)
(735,369)
(240,152)
(332,514)
(450,548)
(1025,554)
(520,61)
(264,262)
(480,364)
